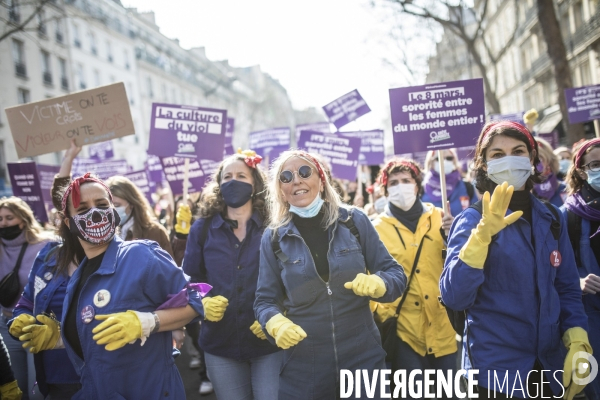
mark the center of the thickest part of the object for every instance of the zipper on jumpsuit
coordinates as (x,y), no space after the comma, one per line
(329,292)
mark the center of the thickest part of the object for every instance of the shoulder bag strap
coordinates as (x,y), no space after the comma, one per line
(21,254)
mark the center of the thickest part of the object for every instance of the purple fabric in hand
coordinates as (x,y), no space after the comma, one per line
(181,299)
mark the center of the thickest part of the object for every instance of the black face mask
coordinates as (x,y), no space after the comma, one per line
(236,193)
(10,232)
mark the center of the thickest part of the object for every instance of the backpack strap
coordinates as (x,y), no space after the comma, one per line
(574,229)
(555,226)
(277,247)
(470,189)
(477,206)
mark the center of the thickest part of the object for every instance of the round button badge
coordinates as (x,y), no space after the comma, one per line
(87,314)
(101,298)
(555,258)
(48,276)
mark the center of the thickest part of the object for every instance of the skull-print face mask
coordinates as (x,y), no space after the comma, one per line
(96,226)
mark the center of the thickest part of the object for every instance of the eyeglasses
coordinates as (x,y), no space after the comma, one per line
(592,166)
(303,172)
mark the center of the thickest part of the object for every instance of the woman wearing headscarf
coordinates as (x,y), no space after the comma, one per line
(510,266)
(582,211)
(121,292)
(21,238)
(460,193)
(320,264)
(550,189)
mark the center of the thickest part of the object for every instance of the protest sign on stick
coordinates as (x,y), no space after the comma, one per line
(346,109)
(101,151)
(90,116)
(229,137)
(103,169)
(583,104)
(140,179)
(187,131)
(46,174)
(371,146)
(514,117)
(25,183)
(340,153)
(269,143)
(199,172)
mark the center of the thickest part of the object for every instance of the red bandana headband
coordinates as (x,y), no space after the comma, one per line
(74,188)
(314,161)
(581,151)
(251,158)
(511,125)
(393,163)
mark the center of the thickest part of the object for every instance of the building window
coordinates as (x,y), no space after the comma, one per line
(76,39)
(97,81)
(565,25)
(109,56)
(19,58)
(59,31)
(64,81)
(23,96)
(130,93)
(93,47)
(586,74)
(126,59)
(149,87)
(46,70)
(81,76)
(578,14)
(14,15)
(42,28)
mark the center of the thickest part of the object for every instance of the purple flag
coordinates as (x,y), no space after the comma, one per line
(371,146)
(101,151)
(229,137)
(339,152)
(140,179)
(514,117)
(103,170)
(346,109)
(437,116)
(270,142)
(583,103)
(25,183)
(46,174)
(187,131)
(323,127)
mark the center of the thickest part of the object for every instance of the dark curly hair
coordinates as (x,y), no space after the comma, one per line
(482,182)
(401,165)
(211,200)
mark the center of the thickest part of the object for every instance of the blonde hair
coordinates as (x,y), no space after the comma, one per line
(433,153)
(141,212)
(279,209)
(547,156)
(34,233)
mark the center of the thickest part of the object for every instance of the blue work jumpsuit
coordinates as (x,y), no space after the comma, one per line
(341,332)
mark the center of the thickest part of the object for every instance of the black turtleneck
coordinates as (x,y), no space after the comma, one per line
(410,218)
(317,240)
(521,201)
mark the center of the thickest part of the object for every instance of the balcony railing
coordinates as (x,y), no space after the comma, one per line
(47,78)
(64,83)
(537,67)
(586,32)
(21,70)
(82,85)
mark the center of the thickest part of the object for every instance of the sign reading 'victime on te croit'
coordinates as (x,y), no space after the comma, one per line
(90,116)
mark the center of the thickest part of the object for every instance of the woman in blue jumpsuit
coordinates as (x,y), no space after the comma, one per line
(121,292)
(582,212)
(517,282)
(319,281)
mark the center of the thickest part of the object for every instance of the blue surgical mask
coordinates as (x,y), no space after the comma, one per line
(122,211)
(310,210)
(564,166)
(593,178)
(512,169)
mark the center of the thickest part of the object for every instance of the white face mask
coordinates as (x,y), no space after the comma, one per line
(512,169)
(402,195)
(448,167)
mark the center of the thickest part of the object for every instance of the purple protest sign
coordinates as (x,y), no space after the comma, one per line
(583,103)
(371,146)
(346,109)
(437,116)
(154,169)
(229,137)
(46,174)
(514,117)
(103,170)
(551,138)
(140,179)
(173,168)
(187,131)
(270,142)
(339,152)
(25,183)
(101,151)
(323,127)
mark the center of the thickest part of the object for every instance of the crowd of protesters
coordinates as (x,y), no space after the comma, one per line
(282,277)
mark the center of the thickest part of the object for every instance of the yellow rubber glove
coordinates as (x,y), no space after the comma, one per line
(214,307)
(576,340)
(367,285)
(10,391)
(41,337)
(118,329)
(493,220)
(284,331)
(184,219)
(257,330)
(20,322)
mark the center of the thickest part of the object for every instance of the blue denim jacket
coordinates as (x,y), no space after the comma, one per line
(231,267)
(341,333)
(51,366)
(139,276)
(519,305)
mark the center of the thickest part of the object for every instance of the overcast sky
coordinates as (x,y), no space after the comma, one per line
(318,49)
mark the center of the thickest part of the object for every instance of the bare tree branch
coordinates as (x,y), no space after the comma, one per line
(21,26)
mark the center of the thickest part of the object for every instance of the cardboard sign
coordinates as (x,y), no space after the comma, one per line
(270,142)
(371,146)
(91,116)
(339,152)
(229,137)
(140,179)
(583,103)
(437,116)
(26,185)
(514,117)
(101,151)
(187,131)
(46,174)
(346,109)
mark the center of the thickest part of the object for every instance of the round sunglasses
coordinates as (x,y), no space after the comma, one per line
(303,172)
